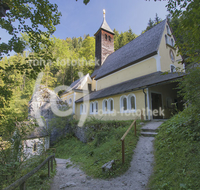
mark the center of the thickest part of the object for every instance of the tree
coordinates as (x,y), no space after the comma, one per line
(40,13)
(187,32)
(152,23)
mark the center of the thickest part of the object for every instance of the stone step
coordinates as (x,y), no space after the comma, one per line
(148,134)
(149,130)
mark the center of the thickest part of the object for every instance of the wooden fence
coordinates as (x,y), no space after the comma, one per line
(123,138)
(22,181)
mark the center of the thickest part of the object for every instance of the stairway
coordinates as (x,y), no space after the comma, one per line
(150,129)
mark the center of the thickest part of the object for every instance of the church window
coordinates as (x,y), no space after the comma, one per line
(172,42)
(123,103)
(172,55)
(109,38)
(131,102)
(168,30)
(106,37)
(70,101)
(83,109)
(110,105)
(172,68)
(93,107)
(105,106)
(96,107)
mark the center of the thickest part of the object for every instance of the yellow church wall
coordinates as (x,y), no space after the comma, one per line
(93,84)
(139,69)
(116,114)
(164,52)
(66,98)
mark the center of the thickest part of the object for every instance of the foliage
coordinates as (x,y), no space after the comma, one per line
(185,19)
(152,23)
(39,180)
(104,147)
(39,13)
(123,38)
(177,154)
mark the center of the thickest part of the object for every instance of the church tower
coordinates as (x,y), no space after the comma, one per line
(104,42)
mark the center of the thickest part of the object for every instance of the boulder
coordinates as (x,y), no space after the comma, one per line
(108,166)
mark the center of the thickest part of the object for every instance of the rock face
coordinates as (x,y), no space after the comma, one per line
(40,109)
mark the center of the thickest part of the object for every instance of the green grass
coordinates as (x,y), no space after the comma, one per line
(105,147)
(40,180)
(177,155)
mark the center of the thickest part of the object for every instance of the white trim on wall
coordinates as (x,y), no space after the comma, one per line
(148,106)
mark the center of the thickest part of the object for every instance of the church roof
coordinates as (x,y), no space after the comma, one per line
(142,47)
(105,27)
(133,84)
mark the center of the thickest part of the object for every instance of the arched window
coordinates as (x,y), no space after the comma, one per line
(172,55)
(91,108)
(131,102)
(109,38)
(168,30)
(83,109)
(106,37)
(123,103)
(105,105)
(172,68)
(110,105)
(172,42)
(70,101)
(96,107)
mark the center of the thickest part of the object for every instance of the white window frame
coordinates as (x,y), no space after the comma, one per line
(91,105)
(70,101)
(121,104)
(103,106)
(109,105)
(171,70)
(129,102)
(96,107)
(168,30)
(83,109)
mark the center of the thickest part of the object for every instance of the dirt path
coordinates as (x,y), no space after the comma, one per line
(136,178)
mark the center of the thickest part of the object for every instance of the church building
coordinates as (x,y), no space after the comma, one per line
(139,77)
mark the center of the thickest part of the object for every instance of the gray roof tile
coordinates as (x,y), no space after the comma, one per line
(133,84)
(140,48)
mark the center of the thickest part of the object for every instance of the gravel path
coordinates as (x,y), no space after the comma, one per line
(136,178)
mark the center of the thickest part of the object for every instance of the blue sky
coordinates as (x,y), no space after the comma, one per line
(79,19)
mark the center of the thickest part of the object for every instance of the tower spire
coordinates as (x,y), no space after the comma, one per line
(104,13)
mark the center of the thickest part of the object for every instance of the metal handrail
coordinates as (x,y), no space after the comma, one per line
(21,182)
(123,138)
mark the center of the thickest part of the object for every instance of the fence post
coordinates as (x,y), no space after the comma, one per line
(48,168)
(23,186)
(135,128)
(123,156)
(52,164)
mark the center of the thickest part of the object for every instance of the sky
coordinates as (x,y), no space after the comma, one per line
(79,19)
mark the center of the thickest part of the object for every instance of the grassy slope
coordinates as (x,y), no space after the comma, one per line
(177,156)
(105,147)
